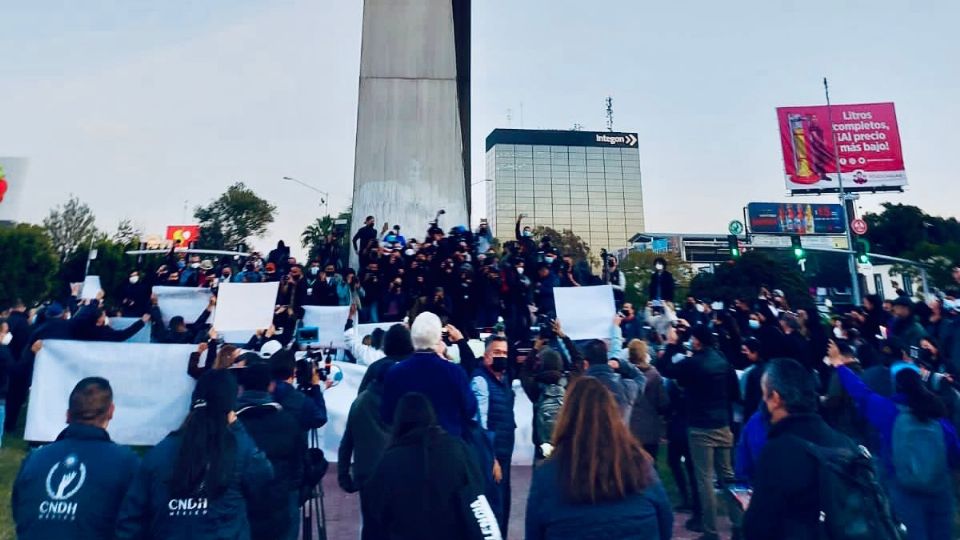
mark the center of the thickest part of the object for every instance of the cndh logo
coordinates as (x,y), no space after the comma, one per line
(188,507)
(63,482)
(629,139)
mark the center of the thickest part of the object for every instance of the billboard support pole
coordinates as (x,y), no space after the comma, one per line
(851,261)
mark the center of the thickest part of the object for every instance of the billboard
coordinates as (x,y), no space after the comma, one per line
(868,148)
(13,173)
(184,234)
(790,218)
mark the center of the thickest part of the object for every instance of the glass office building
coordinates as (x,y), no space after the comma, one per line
(588,182)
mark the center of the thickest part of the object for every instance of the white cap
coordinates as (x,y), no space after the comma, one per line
(270,348)
(426,331)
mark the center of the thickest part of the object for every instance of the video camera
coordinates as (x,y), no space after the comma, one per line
(314,360)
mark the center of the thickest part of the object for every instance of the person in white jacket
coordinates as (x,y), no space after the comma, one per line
(364,354)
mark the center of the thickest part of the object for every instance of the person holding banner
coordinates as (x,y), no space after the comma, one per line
(196,483)
(90,324)
(73,488)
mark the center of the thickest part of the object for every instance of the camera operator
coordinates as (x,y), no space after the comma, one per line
(307,404)
(614,277)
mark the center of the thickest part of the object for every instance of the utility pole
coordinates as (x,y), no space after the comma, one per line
(851,257)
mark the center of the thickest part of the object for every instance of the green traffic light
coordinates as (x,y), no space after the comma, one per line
(798,252)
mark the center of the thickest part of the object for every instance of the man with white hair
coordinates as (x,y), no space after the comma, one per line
(428,373)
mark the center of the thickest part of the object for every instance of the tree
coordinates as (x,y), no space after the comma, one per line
(233,218)
(743,278)
(908,232)
(316,233)
(567,242)
(28,265)
(638,267)
(126,233)
(70,226)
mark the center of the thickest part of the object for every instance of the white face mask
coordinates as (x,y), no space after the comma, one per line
(314,270)
(754,324)
(134,280)
(658,266)
(520,270)
(194,265)
(549,259)
(6,339)
(700,308)
(408,252)
(838,332)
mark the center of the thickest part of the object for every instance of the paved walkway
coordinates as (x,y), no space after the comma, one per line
(343,510)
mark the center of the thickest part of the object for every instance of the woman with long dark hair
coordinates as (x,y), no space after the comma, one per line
(195,483)
(599,482)
(918,449)
(426,482)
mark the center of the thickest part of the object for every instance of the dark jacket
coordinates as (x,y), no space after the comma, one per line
(19,324)
(86,329)
(786,500)
(309,407)
(149,511)
(710,384)
(661,286)
(647,515)
(495,402)
(276,433)
(646,421)
(72,488)
(377,371)
(840,411)
(6,365)
(414,492)
(752,392)
(196,331)
(625,390)
(444,383)
(364,440)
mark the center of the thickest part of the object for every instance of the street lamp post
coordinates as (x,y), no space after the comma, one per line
(324,200)
(851,260)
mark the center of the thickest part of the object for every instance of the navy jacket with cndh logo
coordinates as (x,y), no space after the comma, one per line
(150,512)
(72,488)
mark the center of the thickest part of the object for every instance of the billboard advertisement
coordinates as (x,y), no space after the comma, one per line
(790,218)
(867,148)
(13,172)
(185,234)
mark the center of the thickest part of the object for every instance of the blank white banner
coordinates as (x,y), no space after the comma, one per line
(151,388)
(329,321)
(245,306)
(187,302)
(585,312)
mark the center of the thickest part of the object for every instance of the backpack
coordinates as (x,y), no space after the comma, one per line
(919,453)
(853,506)
(547,410)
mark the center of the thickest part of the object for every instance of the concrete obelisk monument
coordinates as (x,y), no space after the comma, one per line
(413,121)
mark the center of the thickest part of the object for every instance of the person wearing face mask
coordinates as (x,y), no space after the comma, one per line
(692,311)
(91,324)
(190,273)
(527,247)
(546,281)
(136,296)
(661,285)
(491,385)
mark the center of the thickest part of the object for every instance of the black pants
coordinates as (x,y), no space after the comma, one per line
(16,397)
(686,483)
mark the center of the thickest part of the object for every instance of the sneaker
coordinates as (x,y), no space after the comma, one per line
(694,524)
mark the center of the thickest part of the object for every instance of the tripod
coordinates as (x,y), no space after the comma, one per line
(312,513)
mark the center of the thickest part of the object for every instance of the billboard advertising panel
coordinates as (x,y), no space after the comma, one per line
(13,172)
(790,218)
(868,148)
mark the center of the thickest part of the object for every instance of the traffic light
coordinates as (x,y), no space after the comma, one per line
(797,247)
(733,246)
(862,248)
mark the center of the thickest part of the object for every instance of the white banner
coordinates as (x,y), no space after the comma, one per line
(187,302)
(585,312)
(151,388)
(152,391)
(340,397)
(329,321)
(245,306)
(122,323)
(91,286)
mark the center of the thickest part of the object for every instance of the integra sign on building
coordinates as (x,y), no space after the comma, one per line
(625,139)
(554,137)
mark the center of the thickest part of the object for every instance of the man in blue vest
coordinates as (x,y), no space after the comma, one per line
(492,386)
(72,488)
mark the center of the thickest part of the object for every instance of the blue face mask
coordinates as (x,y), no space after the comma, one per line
(754,324)
(181,265)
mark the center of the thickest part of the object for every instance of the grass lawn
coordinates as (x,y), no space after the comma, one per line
(10,457)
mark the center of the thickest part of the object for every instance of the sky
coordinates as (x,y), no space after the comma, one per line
(145,110)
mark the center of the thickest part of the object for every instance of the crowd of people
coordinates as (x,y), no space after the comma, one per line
(758,402)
